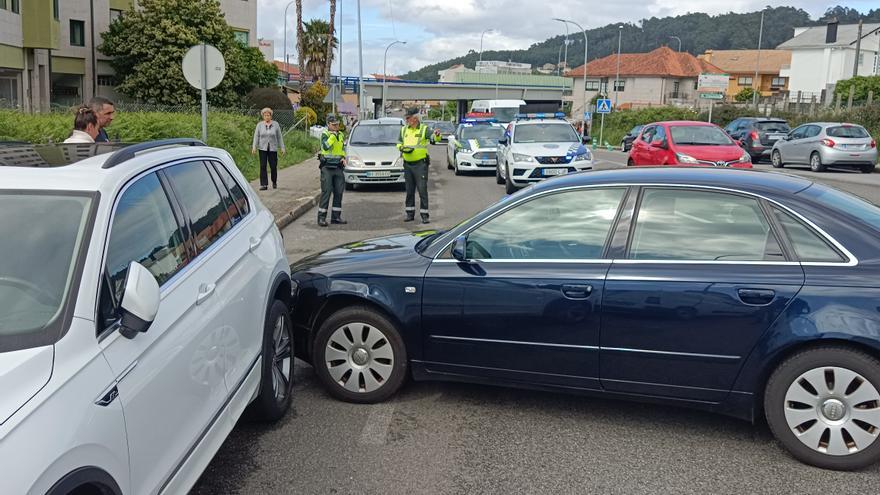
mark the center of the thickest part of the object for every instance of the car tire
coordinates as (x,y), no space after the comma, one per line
(820,388)
(509,186)
(449,163)
(776,159)
(457,171)
(630,162)
(816,164)
(867,169)
(276,382)
(371,362)
(498,179)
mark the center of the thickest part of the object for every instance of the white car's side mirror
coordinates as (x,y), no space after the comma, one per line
(140,301)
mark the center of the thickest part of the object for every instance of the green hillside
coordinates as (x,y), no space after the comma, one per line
(698,32)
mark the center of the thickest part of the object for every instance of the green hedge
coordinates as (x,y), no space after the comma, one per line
(229,131)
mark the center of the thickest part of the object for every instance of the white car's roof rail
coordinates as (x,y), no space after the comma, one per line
(132,151)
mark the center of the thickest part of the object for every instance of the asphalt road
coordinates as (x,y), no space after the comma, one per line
(452,438)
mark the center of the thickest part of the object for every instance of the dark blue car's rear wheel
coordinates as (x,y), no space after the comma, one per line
(359,356)
(823,405)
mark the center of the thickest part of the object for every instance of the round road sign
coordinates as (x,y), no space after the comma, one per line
(192,66)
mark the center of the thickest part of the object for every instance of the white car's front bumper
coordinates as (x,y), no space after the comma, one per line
(524,173)
(480,160)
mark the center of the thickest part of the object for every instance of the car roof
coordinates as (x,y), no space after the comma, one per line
(694,123)
(540,121)
(754,181)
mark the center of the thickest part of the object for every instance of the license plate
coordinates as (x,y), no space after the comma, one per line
(379,173)
(857,147)
(555,171)
(485,162)
(774,138)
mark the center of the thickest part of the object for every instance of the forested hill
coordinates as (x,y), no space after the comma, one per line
(698,32)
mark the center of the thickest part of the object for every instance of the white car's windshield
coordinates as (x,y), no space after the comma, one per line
(374,134)
(41,235)
(699,135)
(482,132)
(545,133)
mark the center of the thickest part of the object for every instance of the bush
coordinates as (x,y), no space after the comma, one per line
(745,95)
(862,84)
(306,112)
(273,98)
(230,131)
(313,98)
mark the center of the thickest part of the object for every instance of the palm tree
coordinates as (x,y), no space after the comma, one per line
(299,45)
(330,40)
(318,58)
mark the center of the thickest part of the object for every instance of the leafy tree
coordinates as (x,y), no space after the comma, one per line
(314,46)
(267,97)
(451,107)
(863,85)
(745,95)
(308,113)
(313,98)
(148,45)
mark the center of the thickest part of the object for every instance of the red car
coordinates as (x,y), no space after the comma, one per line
(687,143)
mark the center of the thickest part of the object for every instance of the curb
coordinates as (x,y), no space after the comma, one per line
(303,208)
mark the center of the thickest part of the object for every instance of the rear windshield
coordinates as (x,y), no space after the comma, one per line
(39,243)
(699,135)
(772,126)
(847,131)
(375,134)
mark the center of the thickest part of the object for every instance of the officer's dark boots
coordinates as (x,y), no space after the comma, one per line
(425,218)
(322,220)
(409,217)
(336,218)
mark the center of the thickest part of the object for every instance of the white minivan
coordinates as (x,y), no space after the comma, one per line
(144,297)
(505,111)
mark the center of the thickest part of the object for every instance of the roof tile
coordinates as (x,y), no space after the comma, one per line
(660,62)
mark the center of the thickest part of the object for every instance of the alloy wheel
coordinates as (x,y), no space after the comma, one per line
(833,410)
(282,358)
(359,357)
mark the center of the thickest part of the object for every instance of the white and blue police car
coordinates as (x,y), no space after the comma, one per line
(474,146)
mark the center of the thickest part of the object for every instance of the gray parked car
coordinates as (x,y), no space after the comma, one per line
(373,157)
(826,144)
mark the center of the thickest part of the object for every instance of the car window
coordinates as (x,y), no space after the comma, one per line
(799,132)
(836,200)
(238,194)
(647,133)
(228,202)
(733,126)
(812,131)
(569,225)
(772,126)
(681,224)
(699,135)
(482,132)
(847,131)
(144,230)
(199,197)
(659,134)
(808,245)
(545,133)
(375,135)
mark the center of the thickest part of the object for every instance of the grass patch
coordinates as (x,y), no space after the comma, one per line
(229,131)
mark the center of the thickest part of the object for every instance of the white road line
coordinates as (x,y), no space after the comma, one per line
(378,422)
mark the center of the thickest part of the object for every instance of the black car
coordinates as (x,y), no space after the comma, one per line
(627,141)
(757,135)
(747,293)
(446,129)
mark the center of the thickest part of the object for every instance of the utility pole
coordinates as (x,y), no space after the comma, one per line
(94,55)
(858,50)
(617,77)
(361,113)
(756,86)
(586,51)
(286,59)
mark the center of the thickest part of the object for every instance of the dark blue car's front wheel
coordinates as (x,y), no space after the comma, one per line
(823,405)
(359,356)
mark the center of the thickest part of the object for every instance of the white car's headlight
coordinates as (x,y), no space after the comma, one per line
(682,158)
(355,161)
(518,157)
(745,158)
(582,157)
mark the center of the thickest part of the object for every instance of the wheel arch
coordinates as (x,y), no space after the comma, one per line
(86,480)
(335,302)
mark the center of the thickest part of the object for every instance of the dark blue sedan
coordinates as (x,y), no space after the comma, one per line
(740,292)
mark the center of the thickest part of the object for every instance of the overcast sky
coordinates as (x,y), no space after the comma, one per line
(437,30)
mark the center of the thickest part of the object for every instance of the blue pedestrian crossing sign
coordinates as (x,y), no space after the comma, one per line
(603,106)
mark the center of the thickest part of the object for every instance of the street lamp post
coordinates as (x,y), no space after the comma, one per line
(586,51)
(679,41)
(617,77)
(755,82)
(481,44)
(385,72)
(286,61)
(360,65)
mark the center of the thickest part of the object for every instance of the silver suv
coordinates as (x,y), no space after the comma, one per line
(373,157)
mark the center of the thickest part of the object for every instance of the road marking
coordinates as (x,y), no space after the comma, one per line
(378,422)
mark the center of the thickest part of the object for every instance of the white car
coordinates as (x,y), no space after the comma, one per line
(539,146)
(473,147)
(144,301)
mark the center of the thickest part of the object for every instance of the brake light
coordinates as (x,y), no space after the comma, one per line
(828,142)
(754,135)
(873,143)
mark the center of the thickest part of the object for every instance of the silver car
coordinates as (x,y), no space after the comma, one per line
(826,144)
(373,157)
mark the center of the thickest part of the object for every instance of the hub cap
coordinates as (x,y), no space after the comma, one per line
(833,410)
(359,357)
(282,359)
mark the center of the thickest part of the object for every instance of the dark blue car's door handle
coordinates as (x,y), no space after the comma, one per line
(577,291)
(756,297)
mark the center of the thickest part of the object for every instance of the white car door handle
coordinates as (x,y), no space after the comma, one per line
(205,291)
(255,243)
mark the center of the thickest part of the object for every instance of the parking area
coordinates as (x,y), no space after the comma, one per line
(454,438)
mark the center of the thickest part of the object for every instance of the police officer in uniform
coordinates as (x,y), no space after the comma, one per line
(413,145)
(332,161)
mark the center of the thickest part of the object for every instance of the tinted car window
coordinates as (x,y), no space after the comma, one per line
(698,135)
(847,131)
(238,195)
(840,201)
(772,126)
(199,197)
(375,134)
(226,196)
(569,225)
(808,245)
(659,134)
(545,133)
(144,230)
(812,131)
(648,133)
(799,132)
(678,224)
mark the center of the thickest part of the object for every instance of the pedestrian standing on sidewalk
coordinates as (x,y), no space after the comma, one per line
(268,140)
(413,145)
(331,161)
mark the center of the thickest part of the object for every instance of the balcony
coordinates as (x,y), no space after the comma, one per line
(39,24)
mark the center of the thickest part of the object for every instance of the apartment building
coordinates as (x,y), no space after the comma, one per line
(47,54)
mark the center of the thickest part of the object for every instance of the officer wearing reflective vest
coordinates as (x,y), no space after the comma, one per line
(413,146)
(331,161)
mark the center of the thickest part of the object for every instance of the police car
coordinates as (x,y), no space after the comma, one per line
(474,146)
(537,146)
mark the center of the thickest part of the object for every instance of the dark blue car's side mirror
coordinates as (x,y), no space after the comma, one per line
(459,248)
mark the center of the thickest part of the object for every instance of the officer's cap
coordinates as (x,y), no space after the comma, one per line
(411,112)
(332,119)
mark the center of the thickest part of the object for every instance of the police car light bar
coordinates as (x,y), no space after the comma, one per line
(485,120)
(557,115)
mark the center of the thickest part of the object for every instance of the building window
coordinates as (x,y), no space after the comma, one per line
(778,82)
(77,33)
(861,58)
(2,4)
(241,37)
(56,10)
(115,14)
(744,81)
(15,6)
(592,85)
(107,81)
(619,84)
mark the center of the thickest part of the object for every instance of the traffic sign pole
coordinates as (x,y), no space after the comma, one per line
(711,105)
(204,93)
(601,130)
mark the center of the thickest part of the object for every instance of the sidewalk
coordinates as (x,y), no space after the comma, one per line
(299,189)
